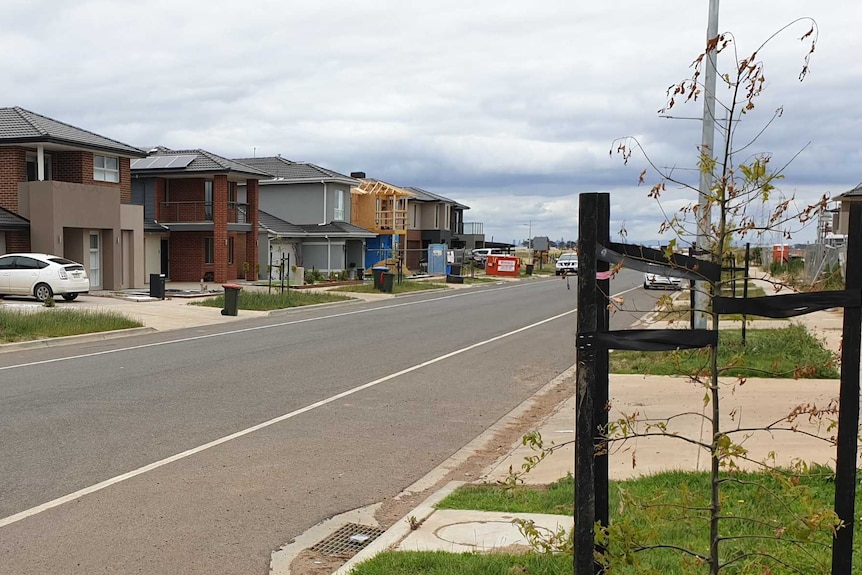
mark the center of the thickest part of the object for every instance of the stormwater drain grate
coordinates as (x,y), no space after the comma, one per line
(348,540)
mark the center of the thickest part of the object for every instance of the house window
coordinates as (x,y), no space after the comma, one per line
(208,200)
(106,168)
(436,217)
(33,170)
(338,212)
(209,251)
(231,192)
(230,250)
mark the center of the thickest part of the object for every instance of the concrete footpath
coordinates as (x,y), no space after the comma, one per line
(756,403)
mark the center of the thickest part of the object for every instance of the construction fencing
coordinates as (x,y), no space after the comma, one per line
(822,259)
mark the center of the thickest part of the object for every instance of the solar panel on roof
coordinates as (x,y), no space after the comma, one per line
(180,161)
(163,162)
(142,163)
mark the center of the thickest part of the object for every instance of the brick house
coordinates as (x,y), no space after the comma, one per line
(200,215)
(67,191)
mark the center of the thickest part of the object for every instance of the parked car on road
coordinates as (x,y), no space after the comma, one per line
(656,278)
(481,254)
(566,264)
(42,276)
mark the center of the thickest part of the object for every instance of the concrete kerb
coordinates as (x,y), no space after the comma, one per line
(281,558)
(70,339)
(401,529)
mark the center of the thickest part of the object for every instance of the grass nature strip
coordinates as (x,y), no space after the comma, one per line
(403,287)
(262,301)
(663,509)
(443,563)
(42,322)
(783,352)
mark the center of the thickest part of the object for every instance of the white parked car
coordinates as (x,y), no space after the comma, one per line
(566,264)
(655,278)
(481,254)
(42,276)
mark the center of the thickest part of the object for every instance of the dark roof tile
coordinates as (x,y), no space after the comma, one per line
(287,171)
(281,227)
(18,125)
(204,162)
(9,219)
(425,195)
(337,228)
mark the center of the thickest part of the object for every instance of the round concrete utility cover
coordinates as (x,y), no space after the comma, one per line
(483,534)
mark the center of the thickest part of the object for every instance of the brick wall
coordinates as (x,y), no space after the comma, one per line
(18,241)
(220,187)
(13,171)
(186,190)
(125,180)
(69,167)
(187,257)
(252,199)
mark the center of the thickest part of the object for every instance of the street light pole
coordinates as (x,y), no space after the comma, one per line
(704,220)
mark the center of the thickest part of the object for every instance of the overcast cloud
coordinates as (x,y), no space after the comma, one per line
(508,107)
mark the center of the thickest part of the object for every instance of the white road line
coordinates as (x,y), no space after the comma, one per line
(249,329)
(141,470)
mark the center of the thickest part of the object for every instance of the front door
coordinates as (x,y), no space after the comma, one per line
(95,261)
(164,252)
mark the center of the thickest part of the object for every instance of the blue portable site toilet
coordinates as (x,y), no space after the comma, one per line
(437,259)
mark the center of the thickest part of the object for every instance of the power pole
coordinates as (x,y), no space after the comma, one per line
(704,221)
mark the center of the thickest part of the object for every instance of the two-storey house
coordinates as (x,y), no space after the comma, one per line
(67,191)
(317,201)
(201,214)
(434,219)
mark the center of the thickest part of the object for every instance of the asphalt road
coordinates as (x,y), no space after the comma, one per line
(202,450)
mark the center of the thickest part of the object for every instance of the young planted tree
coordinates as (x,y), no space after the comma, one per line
(744,187)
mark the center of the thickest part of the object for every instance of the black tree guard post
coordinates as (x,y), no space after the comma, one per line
(602,394)
(848,406)
(585,401)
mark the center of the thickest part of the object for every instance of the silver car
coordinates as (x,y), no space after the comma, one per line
(42,276)
(656,278)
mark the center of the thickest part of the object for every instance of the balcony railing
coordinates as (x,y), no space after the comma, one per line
(472,229)
(200,212)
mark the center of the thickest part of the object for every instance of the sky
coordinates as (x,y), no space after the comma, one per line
(508,107)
